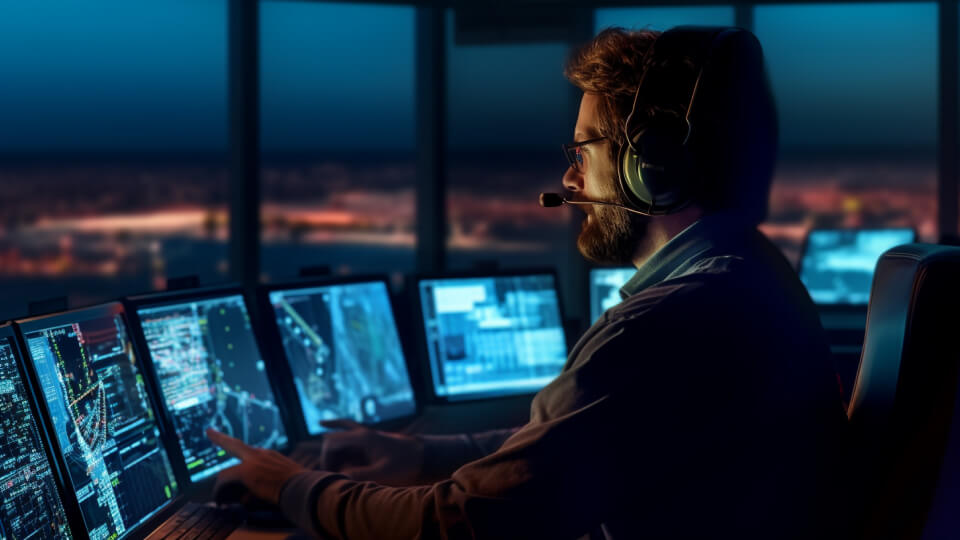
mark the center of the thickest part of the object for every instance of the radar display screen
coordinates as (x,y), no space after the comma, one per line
(211,374)
(343,348)
(30,505)
(492,336)
(103,419)
(838,265)
(605,286)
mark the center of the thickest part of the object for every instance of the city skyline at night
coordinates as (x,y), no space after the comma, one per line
(113,149)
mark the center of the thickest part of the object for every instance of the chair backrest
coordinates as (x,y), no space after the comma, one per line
(902,404)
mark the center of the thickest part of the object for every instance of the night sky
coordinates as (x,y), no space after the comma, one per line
(116,75)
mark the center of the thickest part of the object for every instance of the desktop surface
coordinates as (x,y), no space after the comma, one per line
(838,264)
(102,418)
(211,374)
(492,336)
(30,505)
(344,352)
(605,286)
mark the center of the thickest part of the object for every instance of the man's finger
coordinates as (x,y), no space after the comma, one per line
(233,446)
(341,423)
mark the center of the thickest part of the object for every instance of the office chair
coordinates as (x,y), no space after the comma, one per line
(903,400)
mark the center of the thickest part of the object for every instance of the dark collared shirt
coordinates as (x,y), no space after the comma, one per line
(703,405)
(691,246)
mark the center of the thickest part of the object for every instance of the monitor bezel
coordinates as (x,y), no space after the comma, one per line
(166,298)
(423,347)
(274,339)
(109,309)
(842,306)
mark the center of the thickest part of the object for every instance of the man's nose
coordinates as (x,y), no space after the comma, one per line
(573,180)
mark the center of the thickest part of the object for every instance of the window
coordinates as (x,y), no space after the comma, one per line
(112,147)
(857,106)
(663,18)
(509,109)
(338,167)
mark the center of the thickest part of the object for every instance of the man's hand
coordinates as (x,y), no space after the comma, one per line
(263,472)
(362,453)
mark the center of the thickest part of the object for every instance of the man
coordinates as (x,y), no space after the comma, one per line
(701,406)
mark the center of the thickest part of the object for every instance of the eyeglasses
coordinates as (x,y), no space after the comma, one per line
(572,151)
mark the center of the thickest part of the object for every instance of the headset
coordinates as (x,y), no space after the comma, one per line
(727,131)
(658,173)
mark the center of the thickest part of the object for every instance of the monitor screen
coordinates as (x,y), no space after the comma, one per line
(30,505)
(605,286)
(492,336)
(344,351)
(102,418)
(838,265)
(211,374)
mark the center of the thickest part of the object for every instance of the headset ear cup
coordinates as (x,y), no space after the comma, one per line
(655,172)
(632,185)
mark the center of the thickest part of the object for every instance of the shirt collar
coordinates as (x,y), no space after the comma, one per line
(682,251)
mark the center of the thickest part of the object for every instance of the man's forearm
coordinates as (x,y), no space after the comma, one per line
(443,454)
(498,496)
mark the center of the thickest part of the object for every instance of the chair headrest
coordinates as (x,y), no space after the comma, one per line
(912,283)
(903,401)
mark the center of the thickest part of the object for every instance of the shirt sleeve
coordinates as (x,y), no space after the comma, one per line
(528,488)
(579,461)
(443,454)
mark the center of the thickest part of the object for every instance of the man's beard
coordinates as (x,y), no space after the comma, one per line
(611,235)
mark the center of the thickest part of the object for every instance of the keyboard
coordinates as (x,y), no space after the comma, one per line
(199,522)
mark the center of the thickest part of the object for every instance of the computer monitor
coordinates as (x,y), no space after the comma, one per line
(492,336)
(207,363)
(605,286)
(837,264)
(105,425)
(343,350)
(30,504)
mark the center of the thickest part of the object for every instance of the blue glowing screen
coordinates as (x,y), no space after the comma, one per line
(605,286)
(491,336)
(103,420)
(344,351)
(211,374)
(30,505)
(837,266)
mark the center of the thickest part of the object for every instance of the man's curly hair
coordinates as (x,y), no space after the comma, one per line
(735,137)
(611,65)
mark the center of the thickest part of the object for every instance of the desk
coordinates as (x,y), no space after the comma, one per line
(246,533)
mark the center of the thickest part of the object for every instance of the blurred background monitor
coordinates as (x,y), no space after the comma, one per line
(605,286)
(344,352)
(492,335)
(837,264)
(211,373)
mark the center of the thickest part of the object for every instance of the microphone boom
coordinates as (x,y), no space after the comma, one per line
(552,200)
